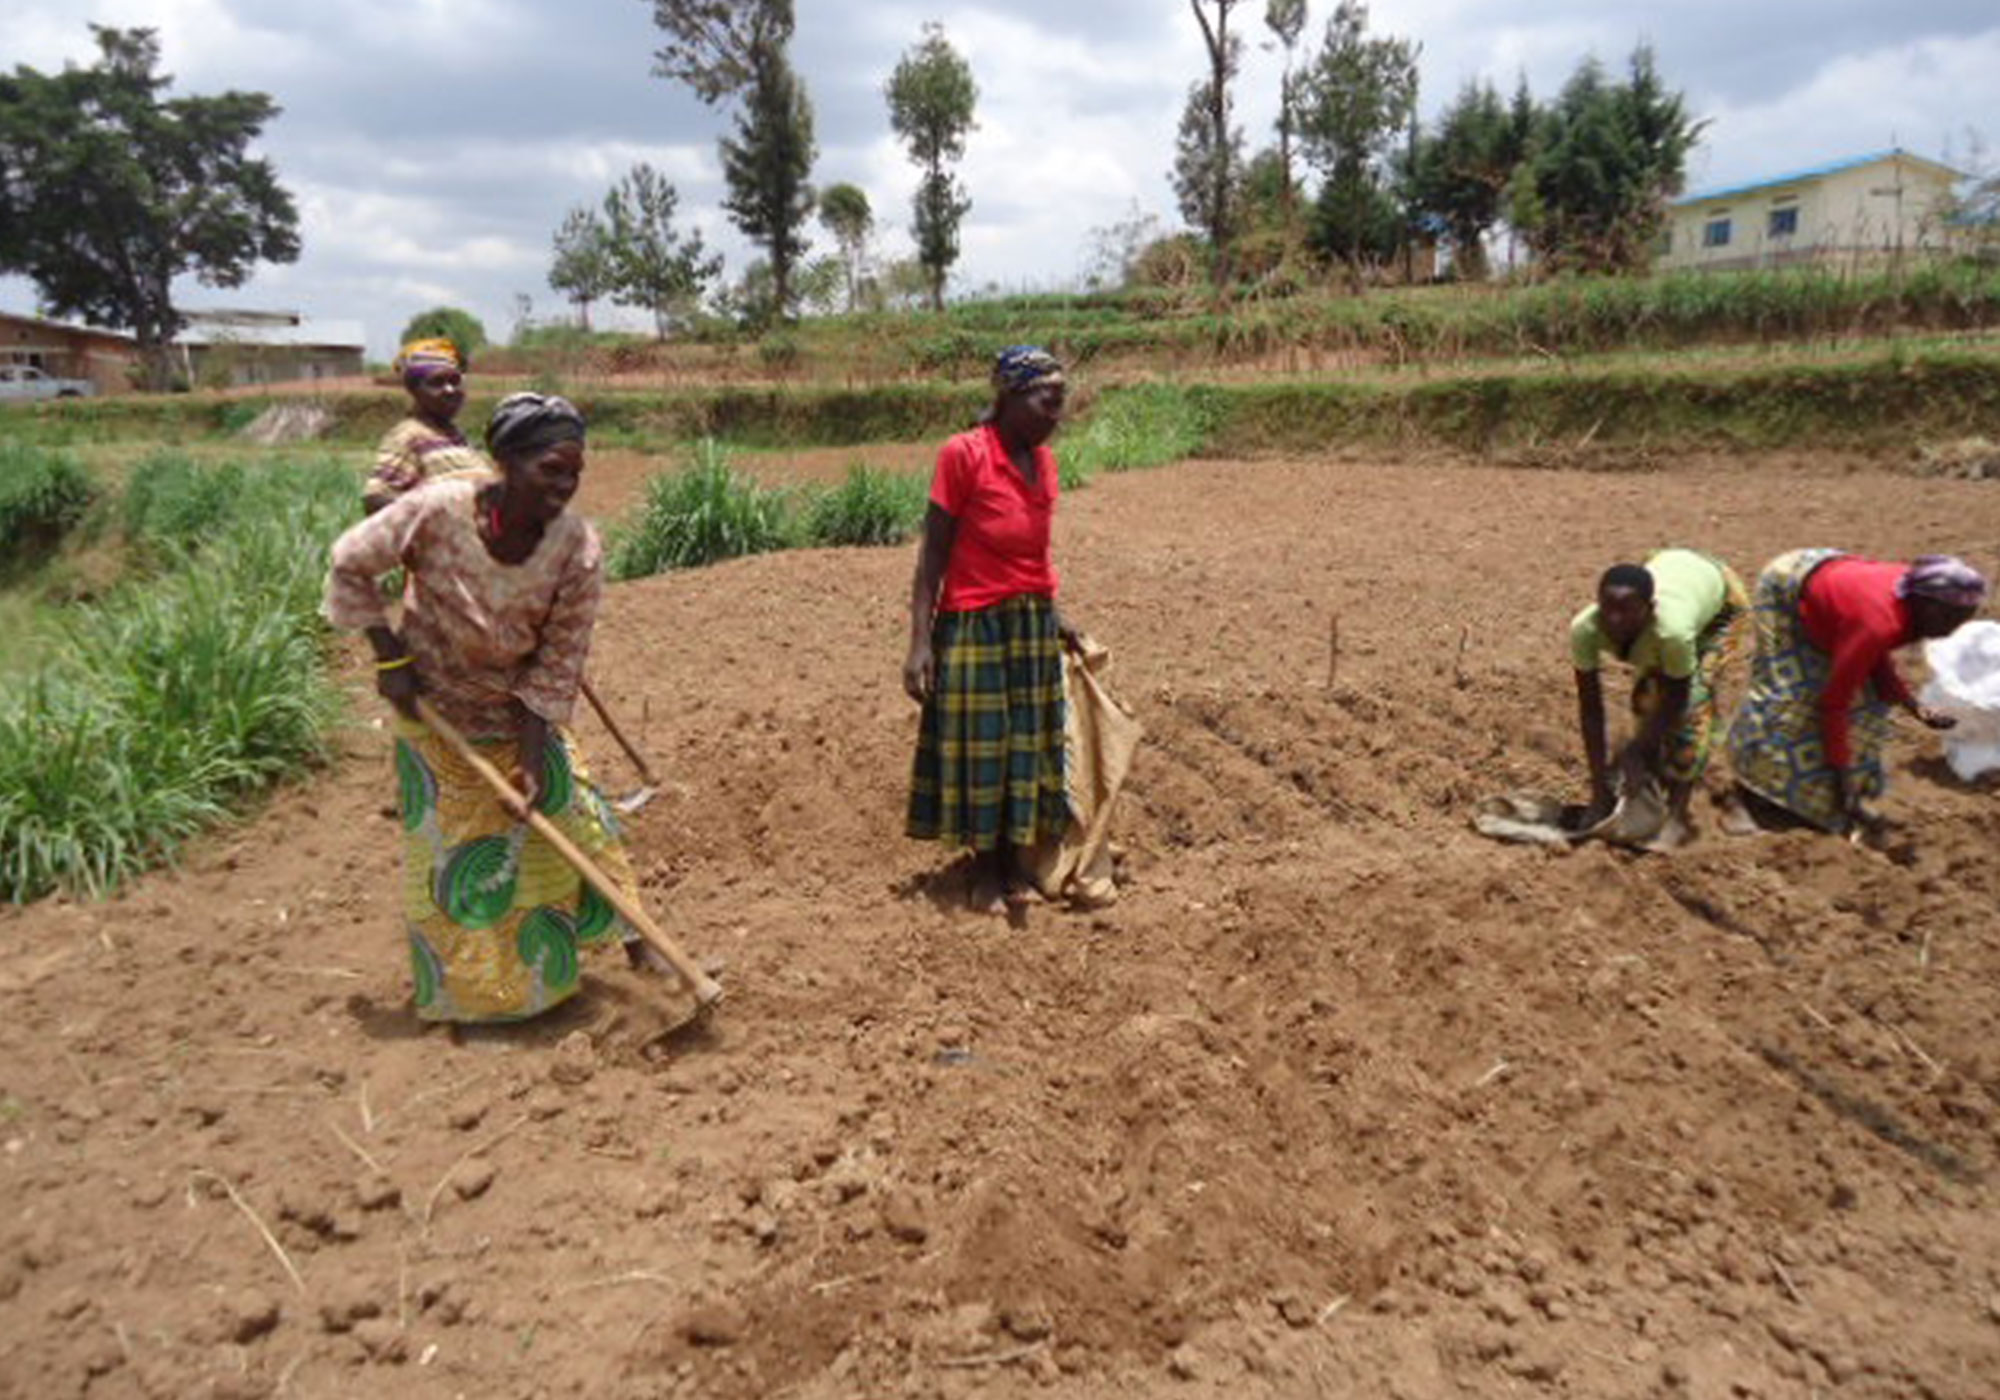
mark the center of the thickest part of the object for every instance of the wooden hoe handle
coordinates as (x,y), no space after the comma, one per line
(706,989)
(639,762)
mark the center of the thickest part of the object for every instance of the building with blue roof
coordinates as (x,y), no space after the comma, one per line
(1859,211)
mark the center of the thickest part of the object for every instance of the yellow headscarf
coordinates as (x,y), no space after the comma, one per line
(421,358)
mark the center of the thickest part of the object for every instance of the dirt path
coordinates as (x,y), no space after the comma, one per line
(1340,1099)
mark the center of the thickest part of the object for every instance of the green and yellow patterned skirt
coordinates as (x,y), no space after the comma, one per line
(495,915)
(989,765)
(1775,745)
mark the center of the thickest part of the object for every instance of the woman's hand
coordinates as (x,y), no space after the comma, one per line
(1932,719)
(919,672)
(1072,636)
(531,750)
(395,671)
(400,686)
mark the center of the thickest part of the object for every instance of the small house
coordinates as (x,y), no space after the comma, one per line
(108,359)
(224,349)
(1862,211)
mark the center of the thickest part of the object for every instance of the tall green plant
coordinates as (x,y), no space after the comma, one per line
(43,494)
(704,513)
(173,698)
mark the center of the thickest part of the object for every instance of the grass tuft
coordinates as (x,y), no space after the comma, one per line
(707,512)
(871,507)
(43,494)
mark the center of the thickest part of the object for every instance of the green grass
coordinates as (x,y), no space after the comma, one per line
(871,507)
(43,494)
(1143,425)
(174,697)
(704,513)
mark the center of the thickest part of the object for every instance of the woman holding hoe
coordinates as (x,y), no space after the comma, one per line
(502,594)
(985,658)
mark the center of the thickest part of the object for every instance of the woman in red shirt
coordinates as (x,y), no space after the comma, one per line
(986,641)
(1809,736)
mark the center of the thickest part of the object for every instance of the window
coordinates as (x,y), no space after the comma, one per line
(1715,234)
(1784,222)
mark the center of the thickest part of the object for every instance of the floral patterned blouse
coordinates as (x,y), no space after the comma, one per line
(414,452)
(484,634)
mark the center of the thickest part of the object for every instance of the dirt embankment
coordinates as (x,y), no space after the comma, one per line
(1339,1100)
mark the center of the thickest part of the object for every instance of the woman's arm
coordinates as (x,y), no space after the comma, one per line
(1590,720)
(361,556)
(919,667)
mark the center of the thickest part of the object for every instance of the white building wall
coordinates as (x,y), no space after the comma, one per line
(1850,216)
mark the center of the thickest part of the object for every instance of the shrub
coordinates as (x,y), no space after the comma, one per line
(706,512)
(43,494)
(461,328)
(871,507)
(171,700)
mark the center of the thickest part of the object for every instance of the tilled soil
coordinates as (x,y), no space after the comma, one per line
(1340,1099)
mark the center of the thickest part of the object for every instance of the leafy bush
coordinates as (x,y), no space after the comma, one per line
(461,328)
(708,511)
(171,700)
(42,496)
(871,507)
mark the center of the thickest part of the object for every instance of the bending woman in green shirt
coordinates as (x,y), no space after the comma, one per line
(1675,622)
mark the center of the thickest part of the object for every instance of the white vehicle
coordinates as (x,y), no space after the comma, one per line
(19,383)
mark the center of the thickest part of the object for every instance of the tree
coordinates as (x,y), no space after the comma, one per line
(1208,152)
(1359,94)
(739,49)
(109,190)
(845,211)
(653,265)
(582,268)
(1286,19)
(1607,157)
(931,99)
(461,328)
(1461,172)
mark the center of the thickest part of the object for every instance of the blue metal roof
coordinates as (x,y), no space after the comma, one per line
(1796,176)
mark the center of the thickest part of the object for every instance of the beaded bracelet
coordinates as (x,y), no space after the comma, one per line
(392,665)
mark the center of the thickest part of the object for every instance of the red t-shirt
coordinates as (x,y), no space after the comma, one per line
(1001,548)
(1850,610)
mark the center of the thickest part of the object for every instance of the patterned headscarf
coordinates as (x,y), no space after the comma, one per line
(527,423)
(1945,578)
(420,359)
(1021,367)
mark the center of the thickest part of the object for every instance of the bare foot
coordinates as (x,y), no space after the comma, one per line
(1676,833)
(985,896)
(1735,818)
(644,957)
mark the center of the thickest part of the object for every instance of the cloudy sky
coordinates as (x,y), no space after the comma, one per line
(433,145)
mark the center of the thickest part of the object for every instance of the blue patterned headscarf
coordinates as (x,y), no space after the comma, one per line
(527,423)
(1020,367)
(1945,578)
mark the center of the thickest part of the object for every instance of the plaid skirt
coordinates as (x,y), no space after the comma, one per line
(1715,652)
(989,765)
(1775,745)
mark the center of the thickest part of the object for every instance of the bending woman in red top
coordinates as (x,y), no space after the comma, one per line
(1809,736)
(985,656)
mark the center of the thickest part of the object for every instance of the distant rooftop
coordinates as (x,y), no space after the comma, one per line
(255,329)
(1817,172)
